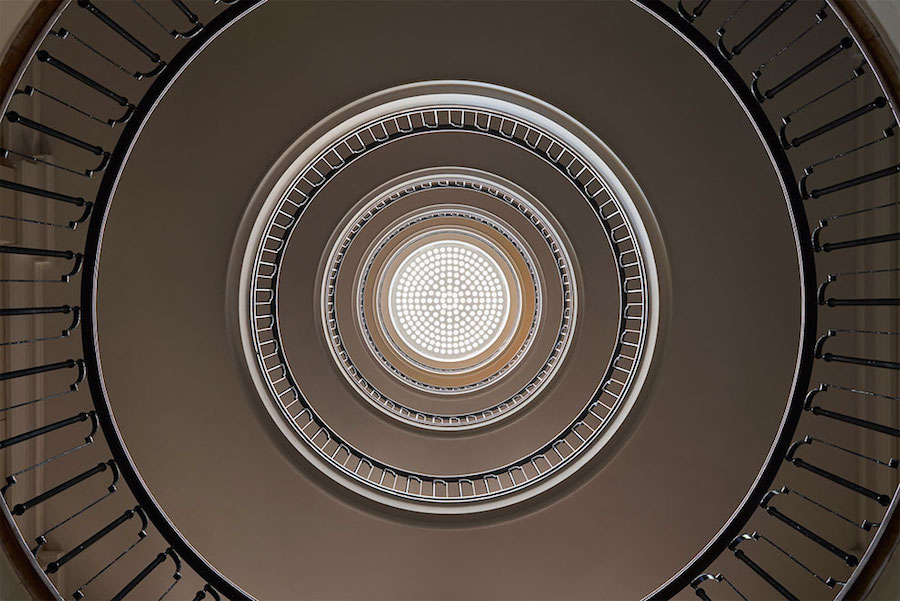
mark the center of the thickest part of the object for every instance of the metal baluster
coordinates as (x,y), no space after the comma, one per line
(30,91)
(75,200)
(886,133)
(848,558)
(891,463)
(41,539)
(29,371)
(817,232)
(865,392)
(6,152)
(742,45)
(759,571)
(65,34)
(54,566)
(142,535)
(830,582)
(21,508)
(856,181)
(121,31)
(844,44)
(820,354)
(876,104)
(45,57)
(863,525)
(72,388)
(65,309)
(43,252)
(11,479)
(858,72)
(157,561)
(14,117)
(840,302)
(14,440)
(820,16)
(867,241)
(37,252)
(31,190)
(791,457)
(34,221)
(40,399)
(875,427)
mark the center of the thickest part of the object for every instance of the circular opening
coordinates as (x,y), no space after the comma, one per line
(491,303)
(449,301)
(426,258)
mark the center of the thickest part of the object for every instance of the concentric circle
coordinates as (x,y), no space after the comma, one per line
(515,269)
(514,264)
(449,300)
(448,296)
(456,229)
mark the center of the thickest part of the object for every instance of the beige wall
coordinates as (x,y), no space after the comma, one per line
(12,14)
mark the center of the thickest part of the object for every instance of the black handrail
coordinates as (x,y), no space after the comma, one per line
(799,223)
(747,95)
(89,295)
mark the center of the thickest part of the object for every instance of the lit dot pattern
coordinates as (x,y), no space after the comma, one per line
(449,301)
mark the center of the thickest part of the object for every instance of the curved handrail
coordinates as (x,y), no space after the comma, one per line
(93,242)
(808,313)
(886,73)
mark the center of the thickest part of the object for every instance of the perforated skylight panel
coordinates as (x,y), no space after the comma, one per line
(449,301)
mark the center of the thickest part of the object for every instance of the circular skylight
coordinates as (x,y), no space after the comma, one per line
(449,300)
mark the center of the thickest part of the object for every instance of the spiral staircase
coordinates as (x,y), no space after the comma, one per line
(441,300)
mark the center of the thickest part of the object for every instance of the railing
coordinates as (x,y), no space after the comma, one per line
(101,135)
(802,70)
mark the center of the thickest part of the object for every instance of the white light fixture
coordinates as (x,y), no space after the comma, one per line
(449,301)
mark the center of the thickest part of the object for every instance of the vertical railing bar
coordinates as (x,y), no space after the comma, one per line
(45,57)
(79,593)
(14,117)
(34,466)
(41,539)
(13,440)
(65,34)
(106,20)
(54,566)
(159,559)
(75,200)
(21,508)
(805,70)
(829,582)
